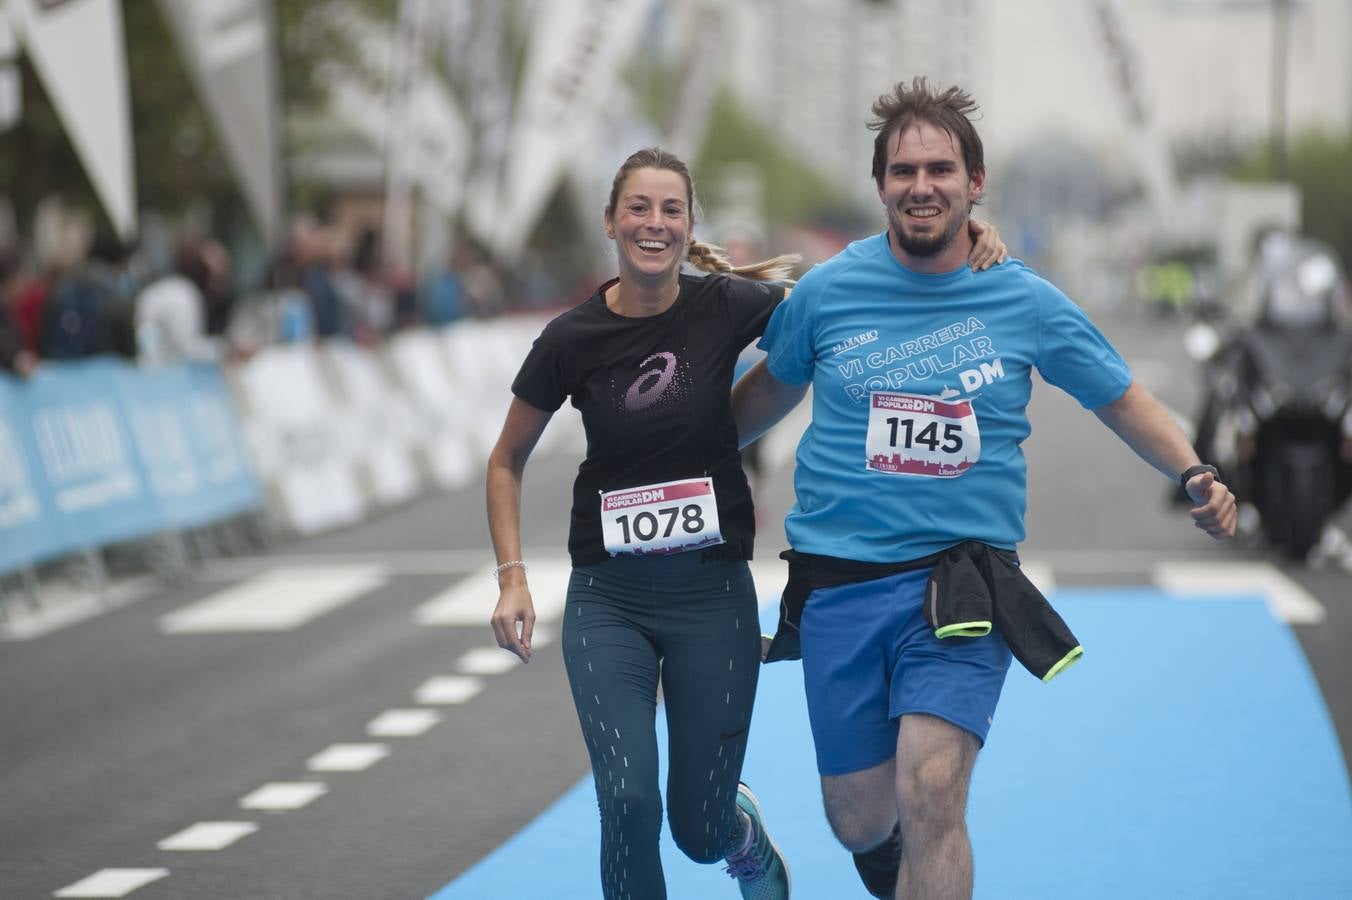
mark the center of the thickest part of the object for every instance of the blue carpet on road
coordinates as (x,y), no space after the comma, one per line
(1189,755)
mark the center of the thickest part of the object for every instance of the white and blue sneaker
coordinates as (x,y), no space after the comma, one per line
(757,864)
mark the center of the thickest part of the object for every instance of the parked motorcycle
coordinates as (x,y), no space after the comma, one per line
(1277,417)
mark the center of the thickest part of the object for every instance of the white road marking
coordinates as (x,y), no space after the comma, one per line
(1287,600)
(541,636)
(284,795)
(769,576)
(347,757)
(470,600)
(61,605)
(208,836)
(487,661)
(276,600)
(403,722)
(112,883)
(448,689)
(1040,574)
(398,562)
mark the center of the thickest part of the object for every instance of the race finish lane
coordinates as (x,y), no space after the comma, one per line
(1169,763)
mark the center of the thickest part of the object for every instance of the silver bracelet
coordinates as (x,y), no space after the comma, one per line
(511,564)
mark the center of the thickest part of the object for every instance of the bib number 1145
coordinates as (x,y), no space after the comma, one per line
(913,435)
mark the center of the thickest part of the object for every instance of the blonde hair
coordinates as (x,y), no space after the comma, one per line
(705,257)
(709,258)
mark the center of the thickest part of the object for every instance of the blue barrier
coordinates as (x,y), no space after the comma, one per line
(97,452)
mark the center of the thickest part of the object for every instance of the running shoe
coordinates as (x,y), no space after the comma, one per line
(878,867)
(758,866)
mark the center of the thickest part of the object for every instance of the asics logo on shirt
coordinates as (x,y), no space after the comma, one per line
(647,389)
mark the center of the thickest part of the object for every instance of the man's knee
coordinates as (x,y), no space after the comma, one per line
(858,834)
(934,788)
(861,808)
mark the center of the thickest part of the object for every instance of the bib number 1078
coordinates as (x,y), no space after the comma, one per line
(647,525)
(660,518)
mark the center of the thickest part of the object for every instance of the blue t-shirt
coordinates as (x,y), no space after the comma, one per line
(920,390)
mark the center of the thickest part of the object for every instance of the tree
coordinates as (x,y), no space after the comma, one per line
(178,160)
(1319,163)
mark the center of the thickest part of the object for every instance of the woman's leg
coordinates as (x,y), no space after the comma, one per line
(613,670)
(709,635)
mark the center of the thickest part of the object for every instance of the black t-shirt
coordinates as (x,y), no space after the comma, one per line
(655,397)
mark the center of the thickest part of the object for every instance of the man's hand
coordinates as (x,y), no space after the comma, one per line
(1215,512)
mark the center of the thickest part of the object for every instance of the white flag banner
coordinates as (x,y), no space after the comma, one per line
(576,51)
(474,52)
(706,48)
(424,137)
(11,90)
(230,53)
(78,50)
(1125,62)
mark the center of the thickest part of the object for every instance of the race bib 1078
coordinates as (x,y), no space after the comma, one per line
(671,517)
(914,435)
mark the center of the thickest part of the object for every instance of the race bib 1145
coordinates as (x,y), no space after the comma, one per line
(913,435)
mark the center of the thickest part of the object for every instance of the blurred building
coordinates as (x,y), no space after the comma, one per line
(814,67)
(1204,70)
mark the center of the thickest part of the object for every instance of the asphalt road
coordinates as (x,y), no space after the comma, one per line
(121,731)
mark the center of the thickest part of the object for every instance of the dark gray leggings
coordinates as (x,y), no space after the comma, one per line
(691,622)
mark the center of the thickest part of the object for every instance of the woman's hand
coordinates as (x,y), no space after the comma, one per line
(987,248)
(514,619)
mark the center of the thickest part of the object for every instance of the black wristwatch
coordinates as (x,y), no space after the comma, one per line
(1192,472)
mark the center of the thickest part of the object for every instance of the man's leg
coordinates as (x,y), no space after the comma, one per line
(933,772)
(861,807)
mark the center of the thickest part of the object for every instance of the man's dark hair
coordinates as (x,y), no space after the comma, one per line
(914,103)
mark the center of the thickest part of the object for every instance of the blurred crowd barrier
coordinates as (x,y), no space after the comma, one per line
(96,451)
(311,436)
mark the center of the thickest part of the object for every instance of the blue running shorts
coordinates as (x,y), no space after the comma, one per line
(869,657)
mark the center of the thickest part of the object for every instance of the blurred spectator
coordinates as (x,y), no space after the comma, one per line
(109,268)
(171,311)
(28,308)
(310,254)
(15,354)
(87,310)
(443,296)
(368,301)
(483,287)
(219,293)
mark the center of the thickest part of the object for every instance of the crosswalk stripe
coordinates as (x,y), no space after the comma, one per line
(1288,601)
(347,757)
(284,795)
(470,600)
(208,836)
(487,661)
(1041,574)
(403,722)
(112,883)
(276,600)
(59,606)
(448,689)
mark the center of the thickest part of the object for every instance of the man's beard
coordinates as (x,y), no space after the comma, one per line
(924,245)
